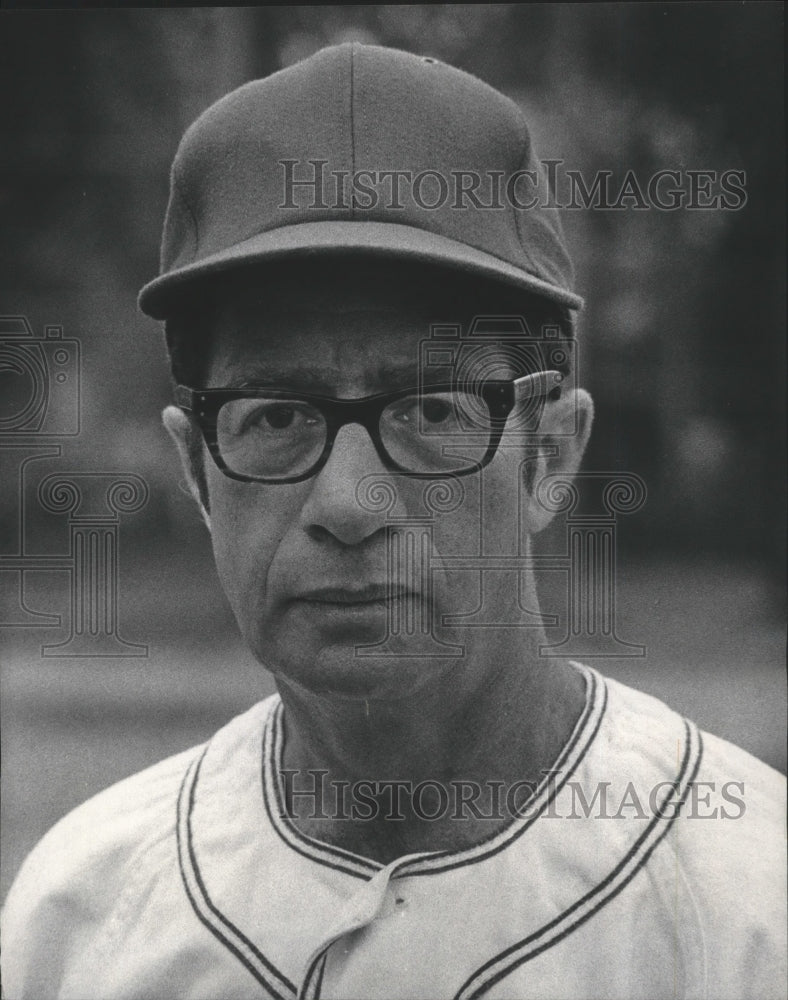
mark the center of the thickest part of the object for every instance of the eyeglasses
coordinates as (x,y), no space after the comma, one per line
(274,435)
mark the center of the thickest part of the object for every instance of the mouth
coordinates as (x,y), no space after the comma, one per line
(353,613)
(351,597)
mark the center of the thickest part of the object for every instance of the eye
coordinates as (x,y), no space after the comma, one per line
(270,417)
(279,416)
(417,410)
(436,410)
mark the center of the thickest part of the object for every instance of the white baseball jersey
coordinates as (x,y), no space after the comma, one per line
(185,881)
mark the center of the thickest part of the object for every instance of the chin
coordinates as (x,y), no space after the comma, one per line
(339,671)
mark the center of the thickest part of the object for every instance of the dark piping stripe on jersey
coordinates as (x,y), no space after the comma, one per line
(222,928)
(319,988)
(313,981)
(441,861)
(364,868)
(485,977)
(449,860)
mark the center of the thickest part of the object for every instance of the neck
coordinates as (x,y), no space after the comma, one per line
(479,725)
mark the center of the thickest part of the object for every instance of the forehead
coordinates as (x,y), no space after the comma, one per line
(340,323)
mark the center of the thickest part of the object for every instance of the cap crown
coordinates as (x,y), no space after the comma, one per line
(303,158)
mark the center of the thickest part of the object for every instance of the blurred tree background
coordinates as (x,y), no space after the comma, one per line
(682,339)
(683,331)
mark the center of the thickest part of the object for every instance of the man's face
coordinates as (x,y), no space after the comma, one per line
(306,566)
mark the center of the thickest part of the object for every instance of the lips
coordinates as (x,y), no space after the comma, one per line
(356,613)
(373,593)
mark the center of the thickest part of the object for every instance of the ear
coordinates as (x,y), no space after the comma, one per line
(563,436)
(179,428)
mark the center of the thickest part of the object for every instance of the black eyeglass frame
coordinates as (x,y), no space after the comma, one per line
(498,394)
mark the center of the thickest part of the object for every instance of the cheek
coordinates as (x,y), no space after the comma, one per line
(486,524)
(487,521)
(248,522)
(457,534)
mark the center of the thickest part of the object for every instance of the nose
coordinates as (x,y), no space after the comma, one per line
(332,510)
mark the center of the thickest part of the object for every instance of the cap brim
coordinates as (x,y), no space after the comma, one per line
(161,297)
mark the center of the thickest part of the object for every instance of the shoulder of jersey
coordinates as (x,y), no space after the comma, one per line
(642,720)
(87,855)
(731,831)
(737,819)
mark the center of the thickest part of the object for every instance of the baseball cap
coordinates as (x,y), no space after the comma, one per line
(361,148)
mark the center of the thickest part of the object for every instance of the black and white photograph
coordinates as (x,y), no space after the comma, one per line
(392,564)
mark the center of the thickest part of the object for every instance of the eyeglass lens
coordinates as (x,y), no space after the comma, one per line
(276,437)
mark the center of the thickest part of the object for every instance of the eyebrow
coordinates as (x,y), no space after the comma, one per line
(320,380)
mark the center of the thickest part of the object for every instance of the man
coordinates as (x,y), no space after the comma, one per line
(429,807)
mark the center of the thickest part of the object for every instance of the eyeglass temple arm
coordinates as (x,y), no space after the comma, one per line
(182,396)
(538,384)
